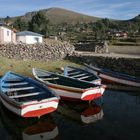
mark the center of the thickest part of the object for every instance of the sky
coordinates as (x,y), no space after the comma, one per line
(115,9)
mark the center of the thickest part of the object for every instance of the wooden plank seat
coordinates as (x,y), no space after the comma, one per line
(73,73)
(81,78)
(17,89)
(83,74)
(16,84)
(52,78)
(26,95)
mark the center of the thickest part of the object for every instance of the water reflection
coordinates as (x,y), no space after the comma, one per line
(27,129)
(92,114)
(40,131)
(117,119)
(81,112)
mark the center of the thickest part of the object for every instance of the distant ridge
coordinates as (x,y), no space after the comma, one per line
(59,15)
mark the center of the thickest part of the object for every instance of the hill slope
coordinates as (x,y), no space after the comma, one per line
(58,15)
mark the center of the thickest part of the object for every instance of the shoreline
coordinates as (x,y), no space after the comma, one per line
(126,65)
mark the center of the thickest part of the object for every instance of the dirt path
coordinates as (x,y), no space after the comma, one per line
(113,55)
(132,50)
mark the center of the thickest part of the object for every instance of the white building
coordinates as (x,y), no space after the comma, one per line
(7,35)
(28,37)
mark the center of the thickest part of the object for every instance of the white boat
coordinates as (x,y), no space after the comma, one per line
(26,97)
(69,88)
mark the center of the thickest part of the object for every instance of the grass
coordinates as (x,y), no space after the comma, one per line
(25,67)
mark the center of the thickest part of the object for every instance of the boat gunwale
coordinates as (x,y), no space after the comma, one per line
(80,90)
(114,74)
(35,84)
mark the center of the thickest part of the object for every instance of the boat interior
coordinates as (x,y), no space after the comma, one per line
(80,74)
(22,90)
(64,81)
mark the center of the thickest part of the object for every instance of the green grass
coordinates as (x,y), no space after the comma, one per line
(25,67)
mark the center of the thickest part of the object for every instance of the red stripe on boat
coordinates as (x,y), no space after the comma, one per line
(91,97)
(38,113)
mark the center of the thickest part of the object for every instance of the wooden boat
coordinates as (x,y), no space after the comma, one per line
(25,96)
(69,88)
(81,75)
(78,112)
(114,78)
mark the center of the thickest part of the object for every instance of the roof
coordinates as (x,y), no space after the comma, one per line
(29,33)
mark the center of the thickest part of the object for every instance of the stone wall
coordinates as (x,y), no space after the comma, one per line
(43,52)
(129,66)
(100,47)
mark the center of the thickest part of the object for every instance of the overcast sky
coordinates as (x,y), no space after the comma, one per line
(116,9)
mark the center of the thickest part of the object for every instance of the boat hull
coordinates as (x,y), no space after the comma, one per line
(73,89)
(117,81)
(30,110)
(114,79)
(84,95)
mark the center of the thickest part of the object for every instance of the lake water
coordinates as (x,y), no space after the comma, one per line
(117,119)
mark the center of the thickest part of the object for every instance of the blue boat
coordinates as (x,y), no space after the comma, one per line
(25,96)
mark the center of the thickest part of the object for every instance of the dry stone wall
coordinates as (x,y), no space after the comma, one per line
(43,52)
(129,66)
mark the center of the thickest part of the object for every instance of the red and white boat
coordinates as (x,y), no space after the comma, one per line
(26,97)
(114,78)
(69,88)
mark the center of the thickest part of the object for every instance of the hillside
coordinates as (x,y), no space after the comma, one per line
(59,15)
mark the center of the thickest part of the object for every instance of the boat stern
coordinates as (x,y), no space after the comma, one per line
(40,108)
(93,93)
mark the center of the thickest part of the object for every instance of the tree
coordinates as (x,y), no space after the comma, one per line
(7,19)
(20,24)
(39,23)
